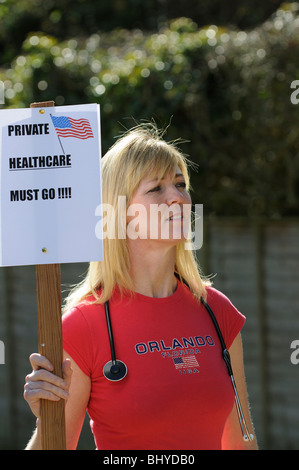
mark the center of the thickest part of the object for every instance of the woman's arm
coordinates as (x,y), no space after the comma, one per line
(232,438)
(75,409)
(74,388)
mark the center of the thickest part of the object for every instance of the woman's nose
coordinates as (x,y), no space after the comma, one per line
(175,195)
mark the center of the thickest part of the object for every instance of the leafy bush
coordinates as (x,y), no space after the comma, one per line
(76,18)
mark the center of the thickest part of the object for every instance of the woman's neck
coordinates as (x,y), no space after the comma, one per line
(152,271)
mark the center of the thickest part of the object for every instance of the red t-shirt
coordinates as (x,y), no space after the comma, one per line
(177,393)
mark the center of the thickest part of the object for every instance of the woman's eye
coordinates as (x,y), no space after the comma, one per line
(155,189)
(180,185)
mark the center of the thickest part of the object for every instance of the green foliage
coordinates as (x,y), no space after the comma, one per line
(73,18)
(225,91)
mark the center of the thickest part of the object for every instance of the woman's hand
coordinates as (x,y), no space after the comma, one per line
(43,384)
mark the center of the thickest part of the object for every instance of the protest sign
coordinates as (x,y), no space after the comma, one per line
(50,189)
(50,185)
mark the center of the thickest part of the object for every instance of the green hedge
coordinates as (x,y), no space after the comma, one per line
(72,18)
(226,92)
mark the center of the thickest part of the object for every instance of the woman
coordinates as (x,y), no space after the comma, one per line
(176,392)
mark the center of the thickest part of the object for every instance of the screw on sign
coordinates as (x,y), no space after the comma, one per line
(48,290)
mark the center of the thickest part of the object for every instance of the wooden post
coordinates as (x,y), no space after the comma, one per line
(48,289)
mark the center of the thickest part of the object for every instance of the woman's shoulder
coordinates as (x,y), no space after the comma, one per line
(217,297)
(86,310)
(230,319)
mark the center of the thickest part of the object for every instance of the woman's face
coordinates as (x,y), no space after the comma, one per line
(160,209)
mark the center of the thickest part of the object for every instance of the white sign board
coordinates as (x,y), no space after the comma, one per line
(50,185)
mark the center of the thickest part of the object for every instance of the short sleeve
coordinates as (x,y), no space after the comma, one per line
(77,339)
(230,320)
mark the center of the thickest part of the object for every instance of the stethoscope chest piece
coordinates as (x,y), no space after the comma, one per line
(115,370)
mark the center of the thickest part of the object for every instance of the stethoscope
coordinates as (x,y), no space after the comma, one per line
(116,370)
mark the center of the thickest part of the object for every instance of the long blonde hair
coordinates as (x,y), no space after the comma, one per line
(138,153)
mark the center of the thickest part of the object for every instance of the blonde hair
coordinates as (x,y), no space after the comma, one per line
(138,153)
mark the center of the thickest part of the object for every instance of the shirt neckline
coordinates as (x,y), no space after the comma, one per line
(170,299)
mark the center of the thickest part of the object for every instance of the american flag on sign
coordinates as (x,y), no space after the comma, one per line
(184,362)
(69,127)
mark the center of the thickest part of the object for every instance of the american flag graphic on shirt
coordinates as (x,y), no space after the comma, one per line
(184,362)
(69,127)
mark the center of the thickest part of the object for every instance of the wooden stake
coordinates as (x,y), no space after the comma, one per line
(48,290)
